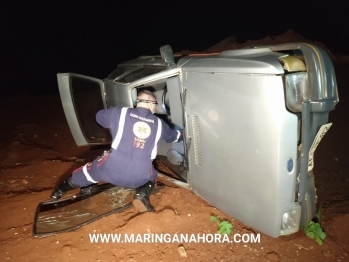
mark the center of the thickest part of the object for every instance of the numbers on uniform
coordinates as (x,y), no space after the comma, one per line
(138,144)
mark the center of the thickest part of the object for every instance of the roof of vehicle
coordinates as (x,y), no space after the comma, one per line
(254,60)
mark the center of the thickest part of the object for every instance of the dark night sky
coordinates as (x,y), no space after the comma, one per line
(42,38)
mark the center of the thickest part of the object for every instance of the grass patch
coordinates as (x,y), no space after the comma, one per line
(224,226)
(314,230)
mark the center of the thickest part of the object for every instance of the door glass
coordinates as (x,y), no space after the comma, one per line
(88,101)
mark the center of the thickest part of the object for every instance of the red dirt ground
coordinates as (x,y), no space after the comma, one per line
(35,148)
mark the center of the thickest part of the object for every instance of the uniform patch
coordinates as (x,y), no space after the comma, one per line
(141,130)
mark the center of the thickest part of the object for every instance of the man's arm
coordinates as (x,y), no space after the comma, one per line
(104,117)
(170,135)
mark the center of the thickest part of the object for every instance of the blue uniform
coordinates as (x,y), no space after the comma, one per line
(136,133)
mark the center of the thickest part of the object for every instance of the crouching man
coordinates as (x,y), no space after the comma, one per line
(129,163)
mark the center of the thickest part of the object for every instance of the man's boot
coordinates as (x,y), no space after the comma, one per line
(62,188)
(141,200)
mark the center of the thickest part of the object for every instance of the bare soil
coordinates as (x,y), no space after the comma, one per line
(37,150)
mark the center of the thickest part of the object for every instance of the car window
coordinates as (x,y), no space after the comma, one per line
(140,73)
(118,72)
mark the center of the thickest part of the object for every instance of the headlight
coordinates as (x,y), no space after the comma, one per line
(297,91)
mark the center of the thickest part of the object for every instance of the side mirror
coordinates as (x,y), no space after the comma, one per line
(167,56)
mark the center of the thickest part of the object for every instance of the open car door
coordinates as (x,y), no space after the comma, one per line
(82,97)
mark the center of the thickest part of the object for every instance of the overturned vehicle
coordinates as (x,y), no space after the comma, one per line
(252,119)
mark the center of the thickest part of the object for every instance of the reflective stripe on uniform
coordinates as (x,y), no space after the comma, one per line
(178,136)
(118,136)
(157,138)
(87,175)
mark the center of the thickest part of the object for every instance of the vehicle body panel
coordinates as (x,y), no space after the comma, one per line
(249,179)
